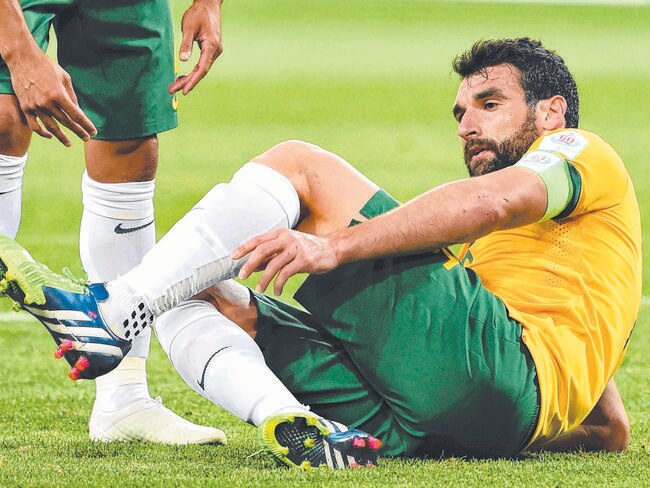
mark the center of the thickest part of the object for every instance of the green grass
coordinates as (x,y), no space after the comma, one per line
(370,80)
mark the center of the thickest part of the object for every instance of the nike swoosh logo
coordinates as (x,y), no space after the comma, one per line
(202,382)
(125,230)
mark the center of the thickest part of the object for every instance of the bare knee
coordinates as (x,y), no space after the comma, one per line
(122,161)
(292,158)
(15,134)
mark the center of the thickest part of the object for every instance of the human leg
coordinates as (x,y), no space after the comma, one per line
(606,428)
(117,229)
(220,361)
(15,136)
(294,183)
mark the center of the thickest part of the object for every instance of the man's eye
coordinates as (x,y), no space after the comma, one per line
(490,105)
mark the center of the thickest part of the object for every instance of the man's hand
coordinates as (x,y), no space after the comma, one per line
(44,91)
(283,253)
(201,24)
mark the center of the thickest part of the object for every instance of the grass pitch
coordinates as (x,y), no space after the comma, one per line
(371,80)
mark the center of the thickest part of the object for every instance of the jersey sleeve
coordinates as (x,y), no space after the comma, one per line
(597,174)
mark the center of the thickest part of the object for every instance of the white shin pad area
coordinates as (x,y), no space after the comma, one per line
(195,253)
(221,362)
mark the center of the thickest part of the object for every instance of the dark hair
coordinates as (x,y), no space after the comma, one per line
(544,73)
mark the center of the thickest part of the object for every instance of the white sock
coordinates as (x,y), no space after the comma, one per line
(222,362)
(11,180)
(195,253)
(123,385)
(117,229)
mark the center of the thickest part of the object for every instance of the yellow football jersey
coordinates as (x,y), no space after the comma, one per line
(574,282)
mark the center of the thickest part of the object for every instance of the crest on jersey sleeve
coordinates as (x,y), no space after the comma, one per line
(567,142)
(539,160)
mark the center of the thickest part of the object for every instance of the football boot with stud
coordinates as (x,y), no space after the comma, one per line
(304,440)
(66,307)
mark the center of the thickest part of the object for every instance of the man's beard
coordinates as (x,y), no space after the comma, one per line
(506,152)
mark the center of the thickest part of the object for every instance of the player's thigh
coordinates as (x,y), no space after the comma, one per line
(122,161)
(15,134)
(331,190)
(120,54)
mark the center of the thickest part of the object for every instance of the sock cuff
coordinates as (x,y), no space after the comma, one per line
(123,201)
(11,172)
(278,186)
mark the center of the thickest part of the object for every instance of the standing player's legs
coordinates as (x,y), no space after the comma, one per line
(15,136)
(121,78)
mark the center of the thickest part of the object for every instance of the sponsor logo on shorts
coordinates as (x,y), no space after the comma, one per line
(568,143)
(175,102)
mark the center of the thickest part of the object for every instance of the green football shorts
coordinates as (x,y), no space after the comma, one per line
(120,55)
(411,349)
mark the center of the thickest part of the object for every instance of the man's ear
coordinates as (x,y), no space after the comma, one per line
(550,113)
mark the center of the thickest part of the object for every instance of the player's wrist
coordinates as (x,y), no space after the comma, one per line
(341,247)
(17,53)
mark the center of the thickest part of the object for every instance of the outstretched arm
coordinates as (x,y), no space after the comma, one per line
(44,90)
(456,212)
(606,428)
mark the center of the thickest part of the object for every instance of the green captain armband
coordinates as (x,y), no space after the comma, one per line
(561,184)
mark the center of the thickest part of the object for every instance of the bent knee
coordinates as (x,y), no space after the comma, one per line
(290,157)
(306,165)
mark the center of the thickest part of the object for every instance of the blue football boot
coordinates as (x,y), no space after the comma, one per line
(68,310)
(304,440)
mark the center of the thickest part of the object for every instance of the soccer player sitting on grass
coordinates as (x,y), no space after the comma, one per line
(510,346)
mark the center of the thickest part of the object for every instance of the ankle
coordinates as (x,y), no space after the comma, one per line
(124,385)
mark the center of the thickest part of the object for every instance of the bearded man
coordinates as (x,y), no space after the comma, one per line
(510,346)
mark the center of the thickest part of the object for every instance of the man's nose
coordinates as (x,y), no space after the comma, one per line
(468,126)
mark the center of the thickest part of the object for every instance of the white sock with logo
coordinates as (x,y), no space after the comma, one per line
(11,180)
(117,229)
(221,362)
(195,253)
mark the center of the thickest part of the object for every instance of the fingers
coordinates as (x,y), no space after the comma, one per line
(280,267)
(177,85)
(80,124)
(185,50)
(261,249)
(44,119)
(274,253)
(50,119)
(32,121)
(208,55)
(53,128)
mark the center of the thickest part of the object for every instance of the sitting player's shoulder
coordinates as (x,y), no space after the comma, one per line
(581,147)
